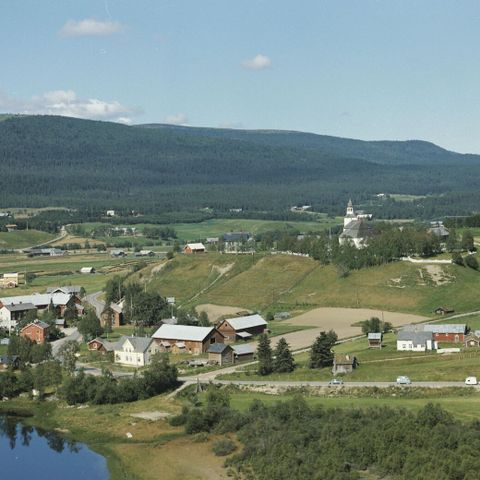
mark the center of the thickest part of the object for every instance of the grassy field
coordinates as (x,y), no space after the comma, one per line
(24,238)
(382,365)
(217,227)
(64,270)
(464,405)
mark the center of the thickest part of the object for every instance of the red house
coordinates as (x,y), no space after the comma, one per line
(450,333)
(36,331)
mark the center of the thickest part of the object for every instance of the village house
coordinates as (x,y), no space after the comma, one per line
(42,301)
(134,351)
(415,341)
(375,340)
(101,346)
(439,230)
(356,230)
(344,364)
(11,227)
(243,353)
(112,314)
(9,361)
(186,338)
(37,331)
(45,252)
(241,328)
(193,248)
(236,241)
(11,313)
(221,354)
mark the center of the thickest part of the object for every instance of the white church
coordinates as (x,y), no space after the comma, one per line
(356,229)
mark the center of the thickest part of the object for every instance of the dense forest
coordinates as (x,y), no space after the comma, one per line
(47,161)
(292,441)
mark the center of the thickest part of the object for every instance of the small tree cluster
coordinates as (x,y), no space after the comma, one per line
(321,354)
(375,325)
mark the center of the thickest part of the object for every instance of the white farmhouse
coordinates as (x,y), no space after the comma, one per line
(415,341)
(134,351)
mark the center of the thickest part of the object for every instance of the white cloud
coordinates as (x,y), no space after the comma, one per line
(258,62)
(178,119)
(66,103)
(90,27)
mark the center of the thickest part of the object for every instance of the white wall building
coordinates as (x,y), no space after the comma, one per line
(134,351)
(415,341)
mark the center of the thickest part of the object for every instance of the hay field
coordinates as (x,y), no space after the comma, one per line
(214,312)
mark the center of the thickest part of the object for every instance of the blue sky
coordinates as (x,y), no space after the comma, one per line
(353,68)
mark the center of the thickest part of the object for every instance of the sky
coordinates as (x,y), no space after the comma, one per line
(368,69)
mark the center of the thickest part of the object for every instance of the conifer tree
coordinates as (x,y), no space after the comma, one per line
(264,355)
(283,361)
(321,354)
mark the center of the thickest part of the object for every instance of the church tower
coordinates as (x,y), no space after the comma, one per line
(350,216)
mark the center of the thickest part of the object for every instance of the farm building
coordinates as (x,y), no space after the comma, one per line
(45,252)
(244,353)
(9,280)
(472,339)
(134,351)
(11,227)
(375,340)
(233,241)
(415,341)
(344,364)
(186,339)
(220,353)
(439,230)
(11,313)
(145,253)
(86,270)
(449,332)
(112,314)
(117,253)
(193,248)
(67,290)
(241,328)
(36,331)
(100,345)
(444,310)
(42,301)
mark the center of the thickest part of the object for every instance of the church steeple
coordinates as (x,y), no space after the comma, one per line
(350,210)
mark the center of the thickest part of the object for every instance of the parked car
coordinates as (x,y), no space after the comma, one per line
(336,381)
(402,380)
(471,381)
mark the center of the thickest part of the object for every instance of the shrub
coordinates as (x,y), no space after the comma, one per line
(223,447)
(471,261)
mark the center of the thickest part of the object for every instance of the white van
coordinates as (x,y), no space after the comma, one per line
(471,381)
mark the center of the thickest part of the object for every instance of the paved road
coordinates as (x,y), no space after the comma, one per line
(326,384)
(73,334)
(94,301)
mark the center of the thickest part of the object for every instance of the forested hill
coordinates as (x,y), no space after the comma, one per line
(48,160)
(409,152)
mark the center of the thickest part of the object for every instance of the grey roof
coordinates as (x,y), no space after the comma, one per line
(182,332)
(446,328)
(140,344)
(218,348)
(69,289)
(38,323)
(245,349)
(60,321)
(439,230)
(19,307)
(357,229)
(243,334)
(236,236)
(250,321)
(417,338)
(374,336)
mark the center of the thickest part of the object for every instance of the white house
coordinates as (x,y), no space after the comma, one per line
(134,351)
(110,213)
(11,313)
(415,341)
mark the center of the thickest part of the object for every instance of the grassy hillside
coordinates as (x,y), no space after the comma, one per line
(295,284)
(23,238)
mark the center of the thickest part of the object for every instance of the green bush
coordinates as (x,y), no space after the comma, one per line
(223,447)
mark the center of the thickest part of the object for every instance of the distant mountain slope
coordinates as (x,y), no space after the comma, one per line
(409,152)
(48,160)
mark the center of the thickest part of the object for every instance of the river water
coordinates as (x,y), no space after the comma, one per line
(32,453)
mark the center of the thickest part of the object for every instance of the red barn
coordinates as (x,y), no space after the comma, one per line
(36,331)
(449,333)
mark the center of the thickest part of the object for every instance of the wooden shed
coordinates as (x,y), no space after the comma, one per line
(344,364)
(220,353)
(375,340)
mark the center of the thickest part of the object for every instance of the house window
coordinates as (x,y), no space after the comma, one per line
(212,340)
